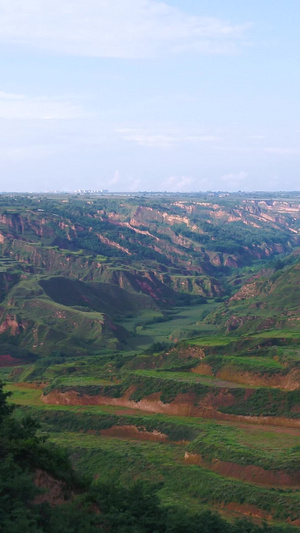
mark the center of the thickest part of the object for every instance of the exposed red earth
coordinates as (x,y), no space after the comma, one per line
(182,405)
(8,360)
(250,473)
(132,432)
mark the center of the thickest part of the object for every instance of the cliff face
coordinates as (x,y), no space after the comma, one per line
(162,253)
(183,238)
(20,225)
(7,281)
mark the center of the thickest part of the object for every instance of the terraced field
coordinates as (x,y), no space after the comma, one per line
(211,443)
(178,362)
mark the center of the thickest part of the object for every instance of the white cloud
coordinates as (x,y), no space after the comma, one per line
(161,140)
(115,28)
(19,106)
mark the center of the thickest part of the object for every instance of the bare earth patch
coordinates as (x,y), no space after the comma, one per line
(249,473)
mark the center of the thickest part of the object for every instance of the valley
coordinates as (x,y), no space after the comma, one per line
(157,339)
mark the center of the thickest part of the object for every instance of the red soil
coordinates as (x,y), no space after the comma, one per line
(250,473)
(204,369)
(248,510)
(8,360)
(132,432)
(290,381)
(53,492)
(182,405)
(295,522)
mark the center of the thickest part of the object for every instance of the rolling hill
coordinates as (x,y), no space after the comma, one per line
(157,338)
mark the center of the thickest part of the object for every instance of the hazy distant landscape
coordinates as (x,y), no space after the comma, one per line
(156,338)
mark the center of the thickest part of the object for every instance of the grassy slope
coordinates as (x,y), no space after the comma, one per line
(121,459)
(167,373)
(267,303)
(266,447)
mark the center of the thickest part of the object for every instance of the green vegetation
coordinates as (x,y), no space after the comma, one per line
(190,304)
(212,341)
(97,507)
(68,255)
(270,303)
(163,462)
(226,442)
(248,447)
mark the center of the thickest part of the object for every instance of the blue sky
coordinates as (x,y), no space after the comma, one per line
(149,95)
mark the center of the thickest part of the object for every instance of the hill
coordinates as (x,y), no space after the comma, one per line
(40,493)
(157,338)
(119,257)
(267,301)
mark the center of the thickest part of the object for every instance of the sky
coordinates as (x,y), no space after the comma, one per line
(149,95)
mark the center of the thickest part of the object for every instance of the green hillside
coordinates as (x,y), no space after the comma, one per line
(266,302)
(157,339)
